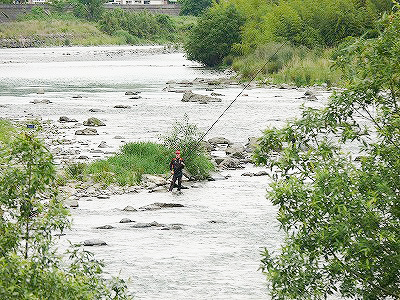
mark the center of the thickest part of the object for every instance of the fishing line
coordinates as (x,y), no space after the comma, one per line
(238,95)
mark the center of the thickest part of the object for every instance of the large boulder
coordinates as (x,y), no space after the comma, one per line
(94,242)
(236,152)
(157,180)
(189,96)
(86,131)
(129,208)
(64,119)
(251,144)
(157,206)
(230,163)
(93,122)
(219,141)
(126,220)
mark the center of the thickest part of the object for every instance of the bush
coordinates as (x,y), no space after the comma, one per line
(31,212)
(194,7)
(186,137)
(141,25)
(91,10)
(212,38)
(340,214)
(128,166)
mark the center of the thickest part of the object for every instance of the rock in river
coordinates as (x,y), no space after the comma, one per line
(94,242)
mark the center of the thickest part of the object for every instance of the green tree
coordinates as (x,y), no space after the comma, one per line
(136,25)
(213,36)
(337,185)
(311,23)
(30,213)
(22,189)
(194,7)
(91,10)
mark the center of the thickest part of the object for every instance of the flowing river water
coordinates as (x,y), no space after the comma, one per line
(225,224)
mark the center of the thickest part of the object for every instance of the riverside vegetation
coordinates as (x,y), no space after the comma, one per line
(136,159)
(240,34)
(32,212)
(340,214)
(31,215)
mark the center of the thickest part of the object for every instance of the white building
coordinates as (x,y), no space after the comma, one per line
(153,2)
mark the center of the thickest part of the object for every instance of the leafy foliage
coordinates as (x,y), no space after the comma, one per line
(308,23)
(30,213)
(194,7)
(90,10)
(186,137)
(138,24)
(341,215)
(212,38)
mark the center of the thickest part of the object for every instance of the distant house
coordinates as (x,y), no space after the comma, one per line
(37,1)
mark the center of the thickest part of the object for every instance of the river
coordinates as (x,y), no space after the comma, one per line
(225,223)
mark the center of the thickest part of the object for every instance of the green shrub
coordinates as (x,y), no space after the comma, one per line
(127,37)
(194,7)
(340,215)
(134,26)
(293,65)
(30,267)
(128,166)
(212,38)
(186,137)
(75,171)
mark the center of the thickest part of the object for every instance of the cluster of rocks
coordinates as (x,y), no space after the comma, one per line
(227,155)
(35,40)
(189,96)
(138,225)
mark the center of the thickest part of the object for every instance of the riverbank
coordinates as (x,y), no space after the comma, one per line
(66,30)
(204,243)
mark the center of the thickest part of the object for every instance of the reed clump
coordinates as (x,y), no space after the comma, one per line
(135,159)
(294,65)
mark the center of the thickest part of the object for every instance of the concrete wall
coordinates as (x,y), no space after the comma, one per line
(167,9)
(9,12)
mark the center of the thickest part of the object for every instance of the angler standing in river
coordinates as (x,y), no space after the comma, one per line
(176,166)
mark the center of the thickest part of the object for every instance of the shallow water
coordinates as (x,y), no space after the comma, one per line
(225,223)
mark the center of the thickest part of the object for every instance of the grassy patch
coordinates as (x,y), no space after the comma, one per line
(7,131)
(134,160)
(293,65)
(56,32)
(127,167)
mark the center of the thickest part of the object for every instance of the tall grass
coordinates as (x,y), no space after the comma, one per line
(56,32)
(7,131)
(128,166)
(134,160)
(307,72)
(293,65)
(63,29)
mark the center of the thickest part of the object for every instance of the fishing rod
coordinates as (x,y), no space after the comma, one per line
(233,101)
(237,96)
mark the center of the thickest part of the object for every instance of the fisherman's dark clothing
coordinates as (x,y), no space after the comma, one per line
(177,165)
